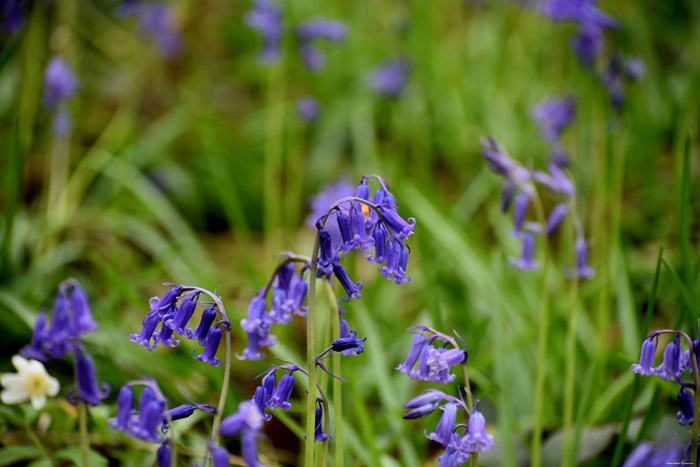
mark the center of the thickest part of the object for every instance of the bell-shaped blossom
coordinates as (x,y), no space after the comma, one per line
(583,269)
(393,260)
(526,261)
(256,314)
(163,454)
(88,389)
(82,314)
(319,435)
(30,383)
(208,355)
(202,330)
(476,439)
(351,289)
(60,82)
(168,302)
(280,398)
(255,342)
(422,371)
(379,237)
(414,353)
(35,348)
(150,322)
(670,367)
(182,317)
(328,257)
(150,414)
(165,335)
(360,239)
(685,400)
(423,405)
(556,217)
(125,401)
(439,361)
(308,109)
(345,228)
(390,78)
(400,276)
(247,418)
(266,18)
(249,450)
(400,229)
(554,115)
(349,343)
(443,431)
(219,457)
(454,455)
(646,359)
(522,201)
(59,332)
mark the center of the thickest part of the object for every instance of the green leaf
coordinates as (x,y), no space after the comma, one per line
(12,454)
(74,455)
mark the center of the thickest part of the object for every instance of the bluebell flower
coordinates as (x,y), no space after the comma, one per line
(247,418)
(184,313)
(308,108)
(423,405)
(60,82)
(476,439)
(59,332)
(379,236)
(82,315)
(581,11)
(178,413)
(422,371)
(219,457)
(526,260)
(522,201)
(125,400)
(670,367)
(35,348)
(443,360)
(390,78)
(208,317)
(158,23)
(266,18)
(165,335)
(414,353)
(319,435)
(400,229)
(299,289)
(145,425)
(554,115)
(646,455)
(150,322)
(256,314)
(349,343)
(280,398)
(646,359)
(351,289)
(12,14)
(443,431)
(88,389)
(583,269)
(313,29)
(362,191)
(163,454)
(208,355)
(588,43)
(360,239)
(168,302)
(345,229)
(393,259)
(685,400)
(556,217)
(454,455)
(249,450)
(327,256)
(321,202)
(255,342)
(555,180)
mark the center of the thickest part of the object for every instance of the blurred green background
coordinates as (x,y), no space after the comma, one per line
(197,170)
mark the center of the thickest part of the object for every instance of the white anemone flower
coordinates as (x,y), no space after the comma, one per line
(31,382)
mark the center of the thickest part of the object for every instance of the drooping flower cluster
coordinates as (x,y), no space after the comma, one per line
(173,319)
(434,365)
(60,84)
(676,362)
(553,116)
(519,191)
(289,291)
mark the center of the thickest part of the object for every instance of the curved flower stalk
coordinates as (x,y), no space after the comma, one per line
(433,364)
(674,366)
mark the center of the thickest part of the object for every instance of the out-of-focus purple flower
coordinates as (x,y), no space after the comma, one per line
(349,343)
(82,314)
(588,43)
(248,418)
(555,180)
(59,332)
(249,450)
(35,348)
(670,367)
(554,115)
(61,124)
(443,431)
(476,439)
(88,389)
(649,455)
(646,359)
(256,314)
(556,217)
(522,202)
(60,82)
(163,454)
(158,23)
(390,78)
(150,322)
(12,14)
(321,202)
(125,400)
(526,261)
(583,269)
(580,11)
(208,355)
(255,342)
(685,400)
(266,18)
(145,425)
(619,69)
(219,457)
(308,108)
(313,29)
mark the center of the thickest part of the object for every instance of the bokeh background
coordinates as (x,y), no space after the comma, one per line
(192,166)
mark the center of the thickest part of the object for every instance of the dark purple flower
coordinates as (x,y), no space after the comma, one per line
(219,457)
(443,431)
(390,78)
(184,313)
(12,14)
(685,400)
(351,289)
(125,400)
(400,229)
(588,43)
(319,435)
(554,115)
(163,454)
(59,332)
(247,418)
(349,343)
(526,261)
(88,389)
(522,202)
(208,355)
(308,108)
(208,317)
(158,23)
(360,240)
(82,315)
(145,425)
(280,398)
(646,359)
(379,236)
(60,82)
(266,18)
(345,229)
(35,348)
(313,29)
(150,322)
(165,335)
(168,302)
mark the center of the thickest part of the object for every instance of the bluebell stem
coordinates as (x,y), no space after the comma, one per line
(163,455)
(125,400)
(35,348)
(556,217)
(82,315)
(414,353)
(670,367)
(208,317)
(349,343)
(266,18)
(184,313)
(280,398)
(476,439)
(526,260)
(157,22)
(688,455)
(208,355)
(685,400)
(219,457)
(646,359)
(247,418)
(443,431)
(88,390)
(308,109)
(390,78)
(314,29)
(351,289)
(150,322)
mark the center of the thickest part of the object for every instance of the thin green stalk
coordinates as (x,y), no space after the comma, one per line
(568,458)
(84,440)
(337,384)
(536,454)
(311,360)
(37,442)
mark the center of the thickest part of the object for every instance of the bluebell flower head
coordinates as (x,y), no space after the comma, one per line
(414,353)
(82,315)
(476,439)
(646,359)
(685,400)
(320,203)
(351,289)
(440,361)
(349,343)
(424,404)
(313,29)
(145,425)
(400,229)
(182,317)
(165,335)
(278,312)
(249,450)
(283,279)
(393,260)
(646,454)
(390,78)
(280,398)
(670,367)
(125,400)
(308,109)
(255,342)
(208,355)
(299,289)
(248,418)
(379,236)
(443,431)
(580,11)
(59,332)
(454,455)
(526,261)
(345,229)
(35,348)
(266,18)
(180,412)
(12,15)
(60,82)
(208,317)
(219,457)
(583,270)
(556,217)
(163,454)
(158,23)
(256,314)
(422,371)
(554,115)
(150,322)
(588,43)
(555,180)
(362,190)
(328,255)
(507,195)
(88,389)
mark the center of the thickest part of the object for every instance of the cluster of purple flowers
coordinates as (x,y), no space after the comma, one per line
(589,41)
(60,84)
(174,318)
(156,22)
(519,191)
(676,362)
(434,365)
(289,291)
(71,319)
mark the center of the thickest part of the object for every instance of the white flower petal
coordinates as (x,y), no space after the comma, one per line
(53,386)
(38,401)
(12,379)
(22,364)
(14,395)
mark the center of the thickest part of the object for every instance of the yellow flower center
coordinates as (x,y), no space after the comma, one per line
(37,385)
(365,211)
